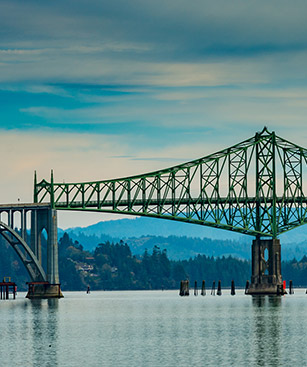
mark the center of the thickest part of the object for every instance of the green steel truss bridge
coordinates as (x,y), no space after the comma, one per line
(254,187)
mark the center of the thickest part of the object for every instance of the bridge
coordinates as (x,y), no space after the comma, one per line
(29,250)
(254,188)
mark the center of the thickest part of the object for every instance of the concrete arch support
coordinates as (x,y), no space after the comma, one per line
(25,253)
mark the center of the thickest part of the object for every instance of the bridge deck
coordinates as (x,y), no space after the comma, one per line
(176,202)
(24,206)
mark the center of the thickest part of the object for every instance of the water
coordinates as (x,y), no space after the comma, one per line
(154,328)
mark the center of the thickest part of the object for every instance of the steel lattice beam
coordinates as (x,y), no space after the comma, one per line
(254,187)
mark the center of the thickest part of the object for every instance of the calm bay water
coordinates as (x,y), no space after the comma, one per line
(154,328)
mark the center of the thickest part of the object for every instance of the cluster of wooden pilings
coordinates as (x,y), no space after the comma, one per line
(185,288)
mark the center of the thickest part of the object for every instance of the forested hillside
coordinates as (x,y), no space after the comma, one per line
(183,247)
(113,266)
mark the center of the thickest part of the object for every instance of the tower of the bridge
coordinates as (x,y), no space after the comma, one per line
(46,219)
(266,253)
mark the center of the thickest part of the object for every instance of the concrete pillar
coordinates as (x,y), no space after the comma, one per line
(37,225)
(266,272)
(52,249)
(46,219)
(23,216)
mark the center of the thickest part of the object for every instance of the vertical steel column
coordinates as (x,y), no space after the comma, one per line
(35,195)
(98,196)
(274,217)
(201,191)
(52,189)
(256,253)
(113,195)
(173,193)
(67,195)
(158,186)
(188,192)
(129,195)
(144,194)
(257,220)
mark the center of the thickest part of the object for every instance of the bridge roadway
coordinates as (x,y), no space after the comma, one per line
(24,206)
(185,201)
(129,203)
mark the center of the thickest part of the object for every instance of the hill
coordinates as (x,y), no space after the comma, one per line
(182,240)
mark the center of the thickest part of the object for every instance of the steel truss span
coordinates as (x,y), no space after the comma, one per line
(254,187)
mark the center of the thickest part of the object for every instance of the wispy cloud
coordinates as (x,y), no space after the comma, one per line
(133,86)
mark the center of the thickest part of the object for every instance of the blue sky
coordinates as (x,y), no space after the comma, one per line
(101,89)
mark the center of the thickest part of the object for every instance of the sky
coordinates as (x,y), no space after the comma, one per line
(103,89)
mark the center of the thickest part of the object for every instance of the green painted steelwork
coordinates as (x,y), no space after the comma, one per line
(254,187)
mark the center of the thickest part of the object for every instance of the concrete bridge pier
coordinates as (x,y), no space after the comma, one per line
(266,267)
(45,219)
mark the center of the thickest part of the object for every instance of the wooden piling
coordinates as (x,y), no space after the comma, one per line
(233,289)
(184,288)
(246,287)
(219,289)
(195,289)
(203,288)
(213,289)
(291,291)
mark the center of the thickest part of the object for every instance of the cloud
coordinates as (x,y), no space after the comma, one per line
(175,22)
(150,43)
(132,86)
